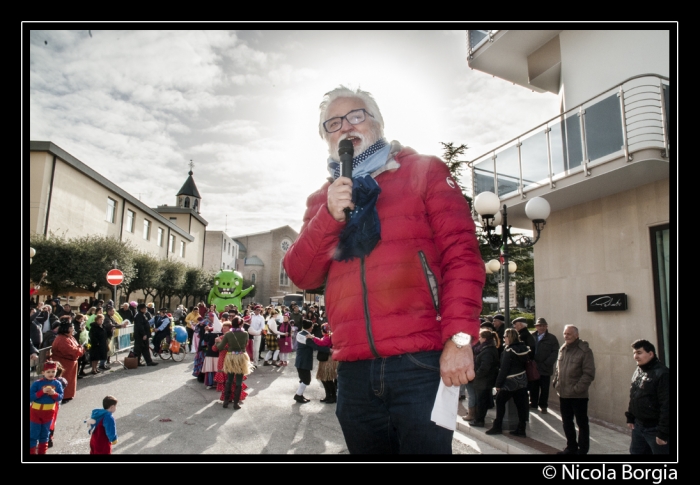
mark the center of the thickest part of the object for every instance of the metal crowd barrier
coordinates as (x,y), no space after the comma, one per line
(122,340)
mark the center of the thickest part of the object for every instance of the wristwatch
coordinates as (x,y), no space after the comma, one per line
(461,339)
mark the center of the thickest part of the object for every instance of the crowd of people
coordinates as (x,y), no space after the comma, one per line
(228,346)
(258,334)
(227,351)
(501,358)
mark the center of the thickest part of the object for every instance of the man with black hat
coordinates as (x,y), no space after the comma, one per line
(161,323)
(142,330)
(546,351)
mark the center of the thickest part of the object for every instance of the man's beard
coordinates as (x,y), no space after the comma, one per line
(366,141)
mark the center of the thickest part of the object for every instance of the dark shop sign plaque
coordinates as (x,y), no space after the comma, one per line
(609,302)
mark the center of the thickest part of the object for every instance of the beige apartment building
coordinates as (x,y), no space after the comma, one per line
(603,164)
(56,206)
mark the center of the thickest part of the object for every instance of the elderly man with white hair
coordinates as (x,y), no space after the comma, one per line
(396,248)
(573,376)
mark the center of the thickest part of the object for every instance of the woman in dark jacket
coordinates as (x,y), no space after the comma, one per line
(98,343)
(486,369)
(512,375)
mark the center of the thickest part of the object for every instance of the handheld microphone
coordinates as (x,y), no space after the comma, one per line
(345,153)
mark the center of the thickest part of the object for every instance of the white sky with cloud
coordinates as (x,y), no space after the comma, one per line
(137,106)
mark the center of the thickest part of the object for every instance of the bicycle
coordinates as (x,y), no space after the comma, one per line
(165,353)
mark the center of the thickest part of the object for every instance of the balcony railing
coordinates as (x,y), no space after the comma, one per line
(614,124)
(477,37)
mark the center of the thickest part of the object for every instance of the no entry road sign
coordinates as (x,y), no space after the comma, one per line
(115,277)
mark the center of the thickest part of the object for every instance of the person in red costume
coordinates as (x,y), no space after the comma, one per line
(44,394)
(403,279)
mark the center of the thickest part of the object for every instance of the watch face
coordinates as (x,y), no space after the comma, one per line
(460,340)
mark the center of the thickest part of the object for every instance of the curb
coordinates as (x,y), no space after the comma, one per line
(504,442)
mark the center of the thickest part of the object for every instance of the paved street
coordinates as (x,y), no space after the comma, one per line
(164,410)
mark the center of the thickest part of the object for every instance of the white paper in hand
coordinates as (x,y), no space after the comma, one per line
(445,408)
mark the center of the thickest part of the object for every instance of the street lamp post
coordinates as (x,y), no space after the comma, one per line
(496,270)
(487,205)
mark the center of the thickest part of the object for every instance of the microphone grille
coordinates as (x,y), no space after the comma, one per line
(345,146)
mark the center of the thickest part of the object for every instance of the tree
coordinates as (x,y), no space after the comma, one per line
(524,276)
(197,283)
(58,258)
(98,255)
(449,155)
(79,262)
(146,274)
(171,281)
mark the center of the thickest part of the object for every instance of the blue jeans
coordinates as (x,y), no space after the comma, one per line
(644,441)
(384,405)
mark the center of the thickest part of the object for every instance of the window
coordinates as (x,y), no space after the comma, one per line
(130,216)
(660,256)
(171,243)
(160,237)
(187,202)
(111,209)
(284,279)
(182,249)
(146,229)
(252,278)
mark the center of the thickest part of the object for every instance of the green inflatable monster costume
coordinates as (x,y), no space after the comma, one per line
(227,289)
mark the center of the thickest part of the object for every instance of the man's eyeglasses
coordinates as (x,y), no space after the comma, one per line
(354,117)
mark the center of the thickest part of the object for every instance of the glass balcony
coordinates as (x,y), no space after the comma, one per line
(614,124)
(477,37)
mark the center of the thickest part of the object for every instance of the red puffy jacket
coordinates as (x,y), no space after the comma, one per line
(420,285)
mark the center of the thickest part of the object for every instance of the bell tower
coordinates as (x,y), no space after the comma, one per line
(188,197)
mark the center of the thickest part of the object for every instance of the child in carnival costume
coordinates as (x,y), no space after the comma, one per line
(44,395)
(327,371)
(103,427)
(221,376)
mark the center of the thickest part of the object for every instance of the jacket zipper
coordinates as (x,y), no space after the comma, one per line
(432,282)
(368,323)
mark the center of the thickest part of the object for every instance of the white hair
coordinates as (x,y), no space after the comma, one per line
(344,92)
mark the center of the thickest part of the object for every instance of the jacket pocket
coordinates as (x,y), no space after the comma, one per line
(431,280)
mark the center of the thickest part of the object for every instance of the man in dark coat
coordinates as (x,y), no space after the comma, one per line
(66,310)
(649,408)
(142,330)
(50,336)
(546,351)
(125,312)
